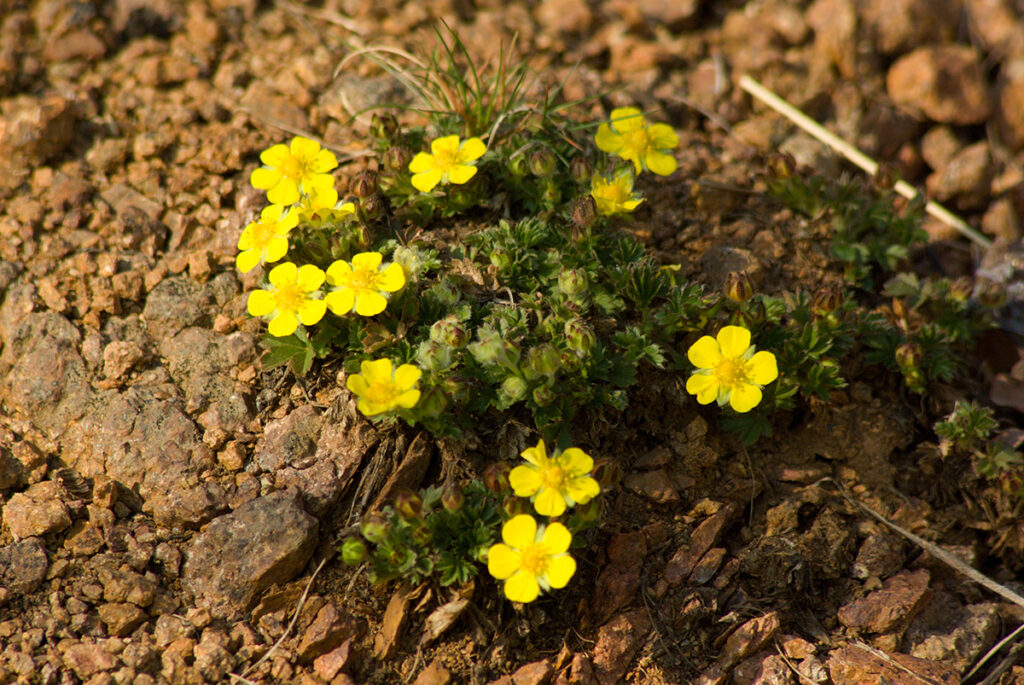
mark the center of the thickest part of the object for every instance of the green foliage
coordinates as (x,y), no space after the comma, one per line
(967,428)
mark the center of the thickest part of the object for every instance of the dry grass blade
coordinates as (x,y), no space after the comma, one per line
(879,654)
(995,650)
(856,156)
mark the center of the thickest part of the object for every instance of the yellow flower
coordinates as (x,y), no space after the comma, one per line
(321,205)
(629,136)
(362,285)
(614,196)
(531,559)
(290,299)
(449,161)
(554,482)
(301,166)
(382,389)
(729,370)
(266,239)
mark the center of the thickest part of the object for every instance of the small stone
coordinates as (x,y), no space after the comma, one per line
(617,643)
(119,357)
(37,511)
(212,660)
(536,673)
(966,177)
(886,609)
(581,671)
(327,631)
(328,665)
(386,641)
(939,145)
(290,441)
(763,668)
(703,537)
(88,659)
(121,619)
(853,665)
(899,26)
(656,486)
(123,585)
(946,82)
(835,25)
(880,556)
(749,638)
(23,565)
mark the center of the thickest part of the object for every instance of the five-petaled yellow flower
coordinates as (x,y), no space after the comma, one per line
(530,559)
(362,285)
(290,299)
(449,161)
(729,369)
(266,239)
(629,136)
(321,205)
(300,166)
(555,482)
(380,388)
(615,195)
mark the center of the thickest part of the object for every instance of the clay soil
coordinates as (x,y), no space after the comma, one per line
(169,506)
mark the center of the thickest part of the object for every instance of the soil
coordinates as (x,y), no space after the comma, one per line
(169,507)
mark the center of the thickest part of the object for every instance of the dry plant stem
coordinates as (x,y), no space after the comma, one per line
(879,654)
(992,652)
(996,675)
(856,156)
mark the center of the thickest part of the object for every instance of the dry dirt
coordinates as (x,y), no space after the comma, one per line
(166,504)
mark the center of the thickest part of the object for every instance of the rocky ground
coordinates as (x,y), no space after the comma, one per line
(166,503)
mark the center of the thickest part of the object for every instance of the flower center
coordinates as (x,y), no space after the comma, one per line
(638,140)
(553,477)
(446,159)
(381,393)
(534,559)
(362,279)
(261,234)
(613,192)
(731,372)
(289,297)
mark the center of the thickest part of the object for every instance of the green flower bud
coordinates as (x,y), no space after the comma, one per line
(579,336)
(552,193)
(353,551)
(542,162)
(383,126)
(886,176)
(960,289)
(908,356)
(496,477)
(581,170)
(543,360)
(375,528)
(570,360)
(573,282)
(738,287)
(396,556)
(518,166)
(373,207)
(781,166)
(434,356)
(452,496)
(365,184)
(543,396)
(513,389)
(826,300)
(501,259)
(584,211)
(422,536)
(408,504)
(491,350)
(397,159)
(589,512)
(446,293)
(514,506)
(448,331)
(432,404)
(456,388)
(991,294)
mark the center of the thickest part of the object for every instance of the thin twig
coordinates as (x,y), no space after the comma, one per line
(992,652)
(856,156)
(1004,665)
(879,654)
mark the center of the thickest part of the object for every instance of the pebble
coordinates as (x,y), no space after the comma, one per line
(854,665)
(37,511)
(892,606)
(617,643)
(946,82)
(23,565)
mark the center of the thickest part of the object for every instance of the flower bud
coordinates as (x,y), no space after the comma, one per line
(543,396)
(408,504)
(422,536)
(581,169)
(434,356)
(607,473)
(738,287)
(432,404)
(448,331)
(496,477)
(885,176)
(908,355)
(452,497)
(513,389)
(446,292)
(375,528)
(542,162)
(579,336)
(552,194)
(383,126)
(991,294)
(781,166)
(365,184)
(584,211)
(501,259)
(543,360)
(373,207)
(397,158)
(353,551)
(589,512)
(519,165)
(456,388)
(826,300)
(573,282)
(514,506)
(960,289)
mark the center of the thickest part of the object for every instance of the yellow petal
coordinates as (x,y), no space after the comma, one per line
(549,502)
(660,163)
(705,353)
(662,136)
(557,538)
(370,304)
(626,119)
(425,181)
(338,272)
(271,213)
(762,368)
(472,148)
(287,223)
(704,386)
(357,384)
(408,399)
(366,261)
(377,371)
(422,162)
(283,324)
(309,278)
(461,173)
(582,489)
(346,209)
(519,531)
(502,561)
(261,303)
(304,148)
(522,587)
(560,570)
(265,179)
(406,376)
(274,155)
(607,140)
(734,341)
(277,247)
(340,302)
(311,311)
(245,241)
(525,480)
(392,278)
(284,193)
(247,261)
(448,145)
(371,408)
(317,182)
(283,274)
(535,455)
(744,397)
(324,161)
(576,461)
